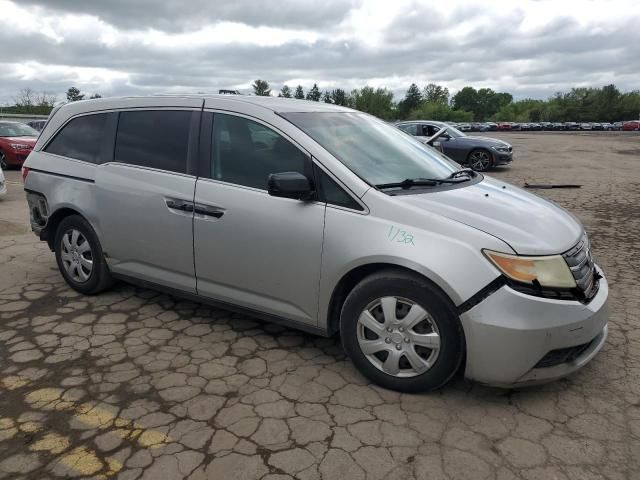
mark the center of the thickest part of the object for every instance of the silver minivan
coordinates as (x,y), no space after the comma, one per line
(325,219)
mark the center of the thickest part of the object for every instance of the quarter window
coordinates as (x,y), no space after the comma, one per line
(245,152)
(154,138)
(334,194)
(81,138)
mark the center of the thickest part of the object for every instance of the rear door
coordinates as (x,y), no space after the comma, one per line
(252,249)
(145,196)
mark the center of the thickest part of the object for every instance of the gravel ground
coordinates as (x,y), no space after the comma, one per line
(136,384)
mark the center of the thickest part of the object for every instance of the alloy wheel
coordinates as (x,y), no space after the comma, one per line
(3,162)
(398,337)
(480,160)
(76,255)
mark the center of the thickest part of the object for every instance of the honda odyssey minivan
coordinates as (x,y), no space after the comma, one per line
(325,219)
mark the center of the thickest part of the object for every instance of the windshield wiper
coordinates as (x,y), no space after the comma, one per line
(419,182)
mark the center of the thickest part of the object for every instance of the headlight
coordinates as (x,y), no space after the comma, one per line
(549,271)
(502,149)
(20,146)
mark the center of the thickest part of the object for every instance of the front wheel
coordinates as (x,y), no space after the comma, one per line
(79,256)
(402,332)
(3,162)
(480,160)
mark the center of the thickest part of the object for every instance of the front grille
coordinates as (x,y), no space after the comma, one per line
(563,355)
(580,262)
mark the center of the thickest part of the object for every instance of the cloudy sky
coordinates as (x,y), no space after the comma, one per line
(529,48)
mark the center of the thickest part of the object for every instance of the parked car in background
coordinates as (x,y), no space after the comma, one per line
(617,125)
(479,127)
(504,126)
(631,126)
(492,126)
(557,126)
(571,126)
(546,126)
(16,142)
(585,126)
(596,126)
(606,126)
(341,223)
(479,153)
(464,127)
(37,124)
(3,185)
(515,126)
(525,126)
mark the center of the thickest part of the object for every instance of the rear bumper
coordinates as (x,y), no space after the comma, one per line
(510,336)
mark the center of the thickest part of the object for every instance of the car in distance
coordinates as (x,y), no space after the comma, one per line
(479,153)
(16,142)
(37,124)
(326,219)
(504,126)
(631,126)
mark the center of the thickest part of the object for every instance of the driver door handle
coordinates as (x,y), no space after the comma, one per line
(208,210)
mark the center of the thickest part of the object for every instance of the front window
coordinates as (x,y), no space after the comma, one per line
(17,130)
(375,151)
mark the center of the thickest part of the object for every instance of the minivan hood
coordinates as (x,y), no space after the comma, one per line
(528,223)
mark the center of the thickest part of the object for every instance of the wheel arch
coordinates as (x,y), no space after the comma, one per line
(351,278)
(48,233)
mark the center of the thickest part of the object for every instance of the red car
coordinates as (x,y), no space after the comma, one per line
(504,126)
(632,126)
(16,142)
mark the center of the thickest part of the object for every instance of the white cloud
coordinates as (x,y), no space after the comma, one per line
(533,47)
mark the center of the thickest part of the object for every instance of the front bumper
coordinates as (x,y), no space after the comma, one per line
(16,157)
(500,158)
(509,333)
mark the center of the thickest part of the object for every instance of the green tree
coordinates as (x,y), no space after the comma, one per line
(326,97)
(412,99)
(73,94)
(433,93)
(261,88)
(378,102)
(285,92)
(299,93)
(340,97)
(439,111)
(314,94)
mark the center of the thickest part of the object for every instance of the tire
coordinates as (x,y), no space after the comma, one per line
(76,247)
(376,355)
(480,160)
(3,162)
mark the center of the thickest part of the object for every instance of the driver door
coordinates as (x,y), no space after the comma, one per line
(252,249)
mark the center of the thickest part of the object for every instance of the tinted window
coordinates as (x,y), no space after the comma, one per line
(81,138)
(245,152)
(334,194)
(154,138)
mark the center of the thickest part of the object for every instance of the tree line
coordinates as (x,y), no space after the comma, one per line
(30,102)
(434,102)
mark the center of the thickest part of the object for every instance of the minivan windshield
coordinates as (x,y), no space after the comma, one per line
(377,152)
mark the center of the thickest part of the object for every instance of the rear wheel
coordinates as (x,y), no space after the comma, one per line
(401,332)
(79,256)
(480,160)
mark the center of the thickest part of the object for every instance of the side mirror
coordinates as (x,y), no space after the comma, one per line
(290,185)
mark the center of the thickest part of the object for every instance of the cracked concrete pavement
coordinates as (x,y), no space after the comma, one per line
(134,384)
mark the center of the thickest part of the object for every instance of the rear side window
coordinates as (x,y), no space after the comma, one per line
(154,138)
(409,128)
(81,138)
